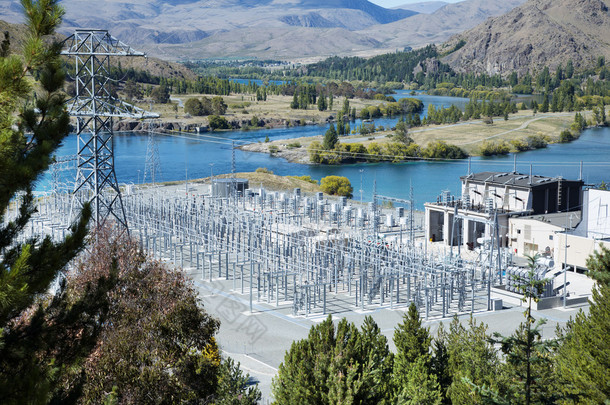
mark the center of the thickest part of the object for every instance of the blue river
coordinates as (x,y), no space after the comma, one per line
(195,156)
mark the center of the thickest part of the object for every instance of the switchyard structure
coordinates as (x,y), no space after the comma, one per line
(311,254)
(95,108)
(308,253)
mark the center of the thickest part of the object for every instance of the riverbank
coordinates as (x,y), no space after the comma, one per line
(243,112)
(469,135)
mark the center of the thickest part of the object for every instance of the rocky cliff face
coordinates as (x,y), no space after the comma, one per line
(538,33)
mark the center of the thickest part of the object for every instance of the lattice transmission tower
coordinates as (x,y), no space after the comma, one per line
(95,108)
(152,167)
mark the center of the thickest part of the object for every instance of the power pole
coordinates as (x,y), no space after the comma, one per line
(152,167)
(94,108)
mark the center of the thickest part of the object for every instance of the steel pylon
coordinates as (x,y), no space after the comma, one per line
(152,168)
(94,108)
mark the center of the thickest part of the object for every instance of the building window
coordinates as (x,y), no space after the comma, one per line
(518,231)
(550,237)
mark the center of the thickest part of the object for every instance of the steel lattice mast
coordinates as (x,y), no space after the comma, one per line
(94,108)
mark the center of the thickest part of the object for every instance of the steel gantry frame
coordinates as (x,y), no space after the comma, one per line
(94,108)
(312,255)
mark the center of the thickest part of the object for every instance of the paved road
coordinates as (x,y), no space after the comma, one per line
(259,340)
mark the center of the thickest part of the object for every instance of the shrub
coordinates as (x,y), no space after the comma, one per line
(193,107)
(160,94)
(523,89)
(314,151)
(305,178)
(566,136)
(294,145)
(494,148)
(263,170)
(374,151)
(218,122)
(336,185)
(273,149)
(357,150)
(536,141)
(519,145)
(442,150)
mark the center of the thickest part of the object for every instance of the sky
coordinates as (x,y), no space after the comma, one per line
(394,3)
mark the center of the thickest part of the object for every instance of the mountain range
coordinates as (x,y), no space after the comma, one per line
(425,7)
(277,29)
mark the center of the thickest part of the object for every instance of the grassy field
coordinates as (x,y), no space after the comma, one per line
(246,106)
(468,135)
(269,181)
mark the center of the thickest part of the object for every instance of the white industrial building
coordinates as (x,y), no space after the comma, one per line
(489,199)
(546,234)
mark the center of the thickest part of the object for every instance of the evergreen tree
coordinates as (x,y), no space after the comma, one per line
(160,94)
(534,106)
(132,90)
(414,382)
(528,368)
(440,364)
(340,126)
(583,360)
(294,104)
(401,134)
(321,103)
(345,110)
(38,343)
(544,108)
(472,360)
(569,69)
(330,138)
(336,365)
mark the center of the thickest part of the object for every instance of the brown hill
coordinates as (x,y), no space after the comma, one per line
(437,27)
(536,34)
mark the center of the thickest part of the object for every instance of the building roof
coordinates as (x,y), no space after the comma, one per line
(559,219)
(511,179)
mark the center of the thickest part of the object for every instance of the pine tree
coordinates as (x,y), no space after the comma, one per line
(345,110)
(47,339)
(583,360)
(413,380)
(529,362)
(321,103)
(336,365)
(294,104)
(440,364)
(544,108)
(472,360)
(330,138)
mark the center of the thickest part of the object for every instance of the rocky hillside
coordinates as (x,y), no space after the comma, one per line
(437,27)
(535,34)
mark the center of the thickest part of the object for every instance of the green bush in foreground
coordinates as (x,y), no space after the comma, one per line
(336,185)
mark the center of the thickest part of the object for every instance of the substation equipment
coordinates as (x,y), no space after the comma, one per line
(311,254)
